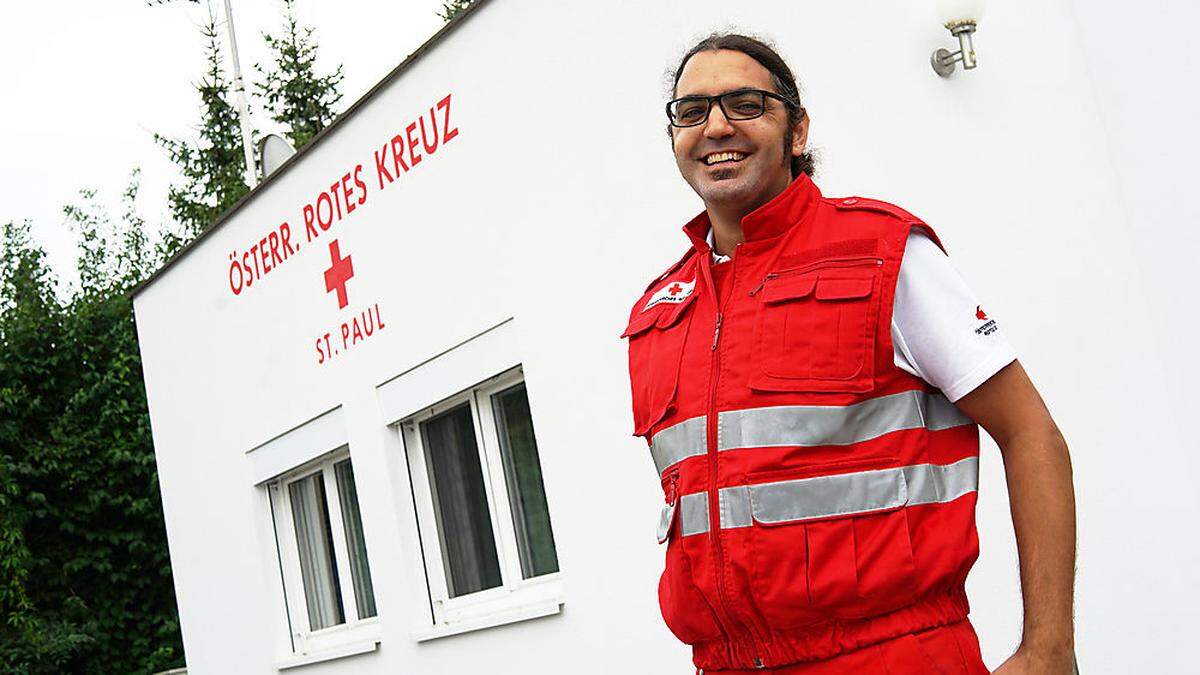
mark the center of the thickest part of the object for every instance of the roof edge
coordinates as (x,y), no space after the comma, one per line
(395,73)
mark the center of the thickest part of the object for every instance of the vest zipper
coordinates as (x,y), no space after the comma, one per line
(848,262)
(714,521)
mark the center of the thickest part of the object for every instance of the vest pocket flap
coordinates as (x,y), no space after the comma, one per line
(672,313)
(641,322)
(845,288)
(825,497)
(788,288)
(662,314)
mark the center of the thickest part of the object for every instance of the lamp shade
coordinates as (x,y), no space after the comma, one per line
(951,12)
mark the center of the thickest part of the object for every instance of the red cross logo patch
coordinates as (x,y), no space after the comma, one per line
(674,292)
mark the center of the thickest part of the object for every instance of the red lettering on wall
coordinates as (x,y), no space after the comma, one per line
(309,230)
(449,133)
(285,236)
(398,154)
(429,149)
(324,221)
(353,331)
(346,193)
(380,168)
(362,187)
(329,206)
(413,157)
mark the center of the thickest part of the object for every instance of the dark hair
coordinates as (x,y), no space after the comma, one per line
(781,78)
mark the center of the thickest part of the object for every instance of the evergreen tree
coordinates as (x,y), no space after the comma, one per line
(292,91)
(214,167)
(452,8)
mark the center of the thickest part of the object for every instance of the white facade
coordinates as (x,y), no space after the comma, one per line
(1052,172)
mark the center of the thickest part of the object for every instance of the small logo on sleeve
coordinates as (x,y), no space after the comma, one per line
(989,325)
(674,292)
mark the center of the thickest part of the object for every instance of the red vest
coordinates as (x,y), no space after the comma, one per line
(818,498)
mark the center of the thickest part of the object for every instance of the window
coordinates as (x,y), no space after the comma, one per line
(481,505)
(323,554)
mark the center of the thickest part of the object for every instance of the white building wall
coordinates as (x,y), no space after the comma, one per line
(1052,180)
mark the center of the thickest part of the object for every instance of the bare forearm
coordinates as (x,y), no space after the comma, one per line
(1042,500)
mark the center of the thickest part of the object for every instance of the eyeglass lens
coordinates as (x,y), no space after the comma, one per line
(738,105)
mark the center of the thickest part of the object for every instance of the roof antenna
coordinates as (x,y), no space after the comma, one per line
(239,94)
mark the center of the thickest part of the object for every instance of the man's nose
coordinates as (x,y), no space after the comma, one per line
(717,125)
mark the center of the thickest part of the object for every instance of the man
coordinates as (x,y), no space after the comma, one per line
(812,406)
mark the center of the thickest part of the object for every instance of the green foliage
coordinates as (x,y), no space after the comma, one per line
(451,8)
(86,585)
(213,167)
(291,89)
(85,578)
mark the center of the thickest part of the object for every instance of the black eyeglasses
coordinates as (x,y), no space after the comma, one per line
(739,104)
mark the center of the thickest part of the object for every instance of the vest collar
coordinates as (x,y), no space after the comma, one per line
(775,217)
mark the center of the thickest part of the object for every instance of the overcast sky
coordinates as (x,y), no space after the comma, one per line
(84,85)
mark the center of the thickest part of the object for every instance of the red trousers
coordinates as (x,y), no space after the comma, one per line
(946,650)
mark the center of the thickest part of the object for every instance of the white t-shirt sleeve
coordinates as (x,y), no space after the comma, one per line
(940,332)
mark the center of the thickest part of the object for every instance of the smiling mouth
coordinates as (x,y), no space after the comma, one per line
(731,157)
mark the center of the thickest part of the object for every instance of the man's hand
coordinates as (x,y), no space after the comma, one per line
(1030,661)
(1041,499)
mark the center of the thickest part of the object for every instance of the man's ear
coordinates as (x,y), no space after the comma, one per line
(800,136)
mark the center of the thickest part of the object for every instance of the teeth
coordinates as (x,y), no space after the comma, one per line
(723,157)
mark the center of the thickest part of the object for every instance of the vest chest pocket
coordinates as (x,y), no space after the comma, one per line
(656,339)
(816,327)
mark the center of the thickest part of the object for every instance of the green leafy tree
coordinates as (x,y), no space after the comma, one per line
(87,582)
(34,638)
(85,579)
(452,8)
(212,167)
(292,91)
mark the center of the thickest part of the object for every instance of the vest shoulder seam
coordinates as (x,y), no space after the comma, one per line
(867,204)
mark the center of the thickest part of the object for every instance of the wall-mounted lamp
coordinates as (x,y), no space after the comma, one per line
(960,17)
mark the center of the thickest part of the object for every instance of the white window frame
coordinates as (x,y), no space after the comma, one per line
(516,597)
(353,630)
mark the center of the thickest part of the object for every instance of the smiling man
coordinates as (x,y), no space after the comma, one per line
(811,377)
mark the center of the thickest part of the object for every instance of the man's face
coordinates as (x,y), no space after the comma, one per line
(765,170)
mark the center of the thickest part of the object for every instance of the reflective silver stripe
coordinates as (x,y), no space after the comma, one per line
(940,483)
(823,496)
(736,506)
(807,425)
(827,496)
(693,513)
(678,442)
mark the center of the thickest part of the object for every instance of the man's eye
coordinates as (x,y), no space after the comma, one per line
(690,112)
(748,107)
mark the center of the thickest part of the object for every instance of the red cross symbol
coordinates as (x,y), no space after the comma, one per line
(339,272)
(675,289)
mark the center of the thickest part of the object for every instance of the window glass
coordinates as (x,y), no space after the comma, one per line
(360,572)
(523,471)
(460,502)
(314,539)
